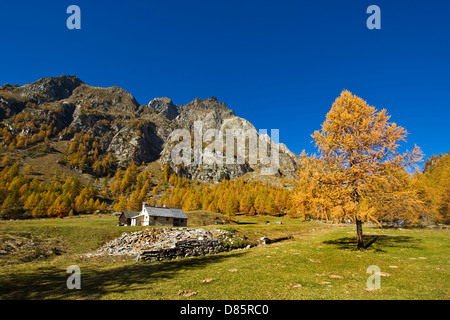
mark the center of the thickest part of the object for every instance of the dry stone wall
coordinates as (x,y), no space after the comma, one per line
(184,248)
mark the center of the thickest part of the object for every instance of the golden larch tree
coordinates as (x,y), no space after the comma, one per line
(358,146)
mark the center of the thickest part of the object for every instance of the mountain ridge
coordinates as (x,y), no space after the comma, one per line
(97,123)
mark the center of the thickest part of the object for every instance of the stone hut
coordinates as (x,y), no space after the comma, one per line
(155,216)
(126,216)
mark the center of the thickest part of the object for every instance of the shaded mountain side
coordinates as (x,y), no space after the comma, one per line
(106,128)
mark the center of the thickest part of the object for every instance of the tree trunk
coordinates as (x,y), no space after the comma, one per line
(359,234)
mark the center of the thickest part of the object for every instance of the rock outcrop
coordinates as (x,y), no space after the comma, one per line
(165,107)
(49,89)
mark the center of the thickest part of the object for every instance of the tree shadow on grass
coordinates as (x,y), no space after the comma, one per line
(376,242)
(243,223)
(96,281)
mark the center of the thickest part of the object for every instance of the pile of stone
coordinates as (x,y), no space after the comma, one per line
(165,243)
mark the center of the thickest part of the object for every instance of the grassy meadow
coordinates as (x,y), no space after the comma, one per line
(317,261)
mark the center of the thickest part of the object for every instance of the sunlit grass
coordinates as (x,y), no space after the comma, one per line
(319,257)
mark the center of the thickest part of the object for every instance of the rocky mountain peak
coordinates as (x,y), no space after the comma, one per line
(53,89)
(165,107)
(207,104)
(113,99)
(210,111)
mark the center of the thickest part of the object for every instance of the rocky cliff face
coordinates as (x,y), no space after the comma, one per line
(117,125)
(213,114)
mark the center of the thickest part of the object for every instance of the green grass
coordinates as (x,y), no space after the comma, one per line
(320,257)
(199,218)
(78,234)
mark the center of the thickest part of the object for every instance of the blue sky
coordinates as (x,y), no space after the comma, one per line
(279,64)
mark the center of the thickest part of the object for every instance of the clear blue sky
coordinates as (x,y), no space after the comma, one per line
(279,64)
